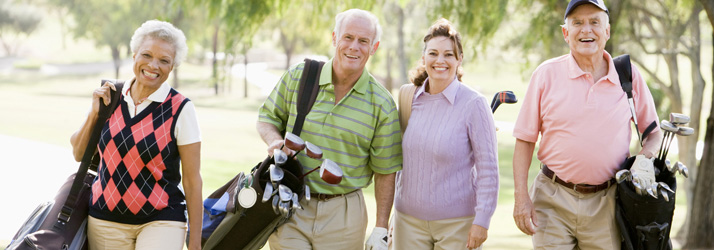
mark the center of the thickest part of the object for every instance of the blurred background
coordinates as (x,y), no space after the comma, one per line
(53,54)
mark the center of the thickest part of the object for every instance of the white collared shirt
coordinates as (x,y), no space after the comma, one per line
(187,130)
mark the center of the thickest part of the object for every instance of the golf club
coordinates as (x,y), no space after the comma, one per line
(668,129)
(678,119)
(276,174)
(681,131)
(665,187)
(276,205)
(330,172)
(652,190)
(311,150)
(279,157)
(503,97)
(623,175)
(293,142)
(296,203)
(665,196)
(285,193)
(682,169)
(267,192)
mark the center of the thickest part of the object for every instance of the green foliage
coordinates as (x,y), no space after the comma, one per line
(477,20)
(110,23)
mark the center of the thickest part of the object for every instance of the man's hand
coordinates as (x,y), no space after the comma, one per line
(643,174)
(477,235)
(377,240)
(524,213)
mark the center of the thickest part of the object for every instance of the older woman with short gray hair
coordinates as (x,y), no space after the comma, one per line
(149,146)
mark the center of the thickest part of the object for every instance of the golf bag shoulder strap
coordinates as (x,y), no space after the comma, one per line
(307,93)
(89,154)
(624,71)
(406,97)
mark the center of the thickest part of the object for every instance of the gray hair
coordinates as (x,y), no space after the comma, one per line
(164,31)
(565,24)
(351,13)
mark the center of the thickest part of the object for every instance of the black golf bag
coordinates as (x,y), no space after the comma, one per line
(237,227)
(645,222)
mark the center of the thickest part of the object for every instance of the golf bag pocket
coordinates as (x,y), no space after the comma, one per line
(39,230)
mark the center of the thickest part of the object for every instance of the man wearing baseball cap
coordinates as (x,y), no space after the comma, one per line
(577,106)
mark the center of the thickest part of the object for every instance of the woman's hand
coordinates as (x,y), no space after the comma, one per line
(477,235)
(104,94)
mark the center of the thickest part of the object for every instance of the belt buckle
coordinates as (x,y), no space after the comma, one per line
(575,187)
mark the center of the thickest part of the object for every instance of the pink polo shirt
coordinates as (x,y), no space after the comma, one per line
(585,125)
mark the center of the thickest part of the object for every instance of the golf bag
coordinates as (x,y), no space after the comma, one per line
(227,224)
(645,222)
(62,222)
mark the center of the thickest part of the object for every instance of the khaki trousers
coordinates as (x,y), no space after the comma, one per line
(571,220)
(109,235)
(411,233)
(334,224)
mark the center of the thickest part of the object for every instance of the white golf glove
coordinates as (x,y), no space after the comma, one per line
(377,240)
(643,174)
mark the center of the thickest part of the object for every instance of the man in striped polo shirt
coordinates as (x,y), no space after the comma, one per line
(355,122)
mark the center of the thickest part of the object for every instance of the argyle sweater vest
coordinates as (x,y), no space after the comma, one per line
(138,176)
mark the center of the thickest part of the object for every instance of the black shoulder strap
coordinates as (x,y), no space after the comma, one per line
(307,93)
(624,71)
(89,153)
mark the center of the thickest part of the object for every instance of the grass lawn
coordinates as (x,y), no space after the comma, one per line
(50,109)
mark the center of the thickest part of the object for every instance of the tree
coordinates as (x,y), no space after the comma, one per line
(16,21)
(668,29)
(110,23)
(701,229)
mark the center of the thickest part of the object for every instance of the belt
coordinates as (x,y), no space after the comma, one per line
(580,188)
(324,197)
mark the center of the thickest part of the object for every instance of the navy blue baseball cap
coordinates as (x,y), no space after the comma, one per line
(575,3)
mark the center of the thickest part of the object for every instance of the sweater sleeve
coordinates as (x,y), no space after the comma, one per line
(484,174)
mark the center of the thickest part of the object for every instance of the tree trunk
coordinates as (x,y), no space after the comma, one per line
(245,67)
(388,82)
(215,59)
(177,21)
(673,68)
(688,145)
(404,78)
(615,8)
(117,59)
(701,227)
(288,46)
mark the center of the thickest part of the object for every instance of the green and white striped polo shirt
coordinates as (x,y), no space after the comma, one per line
(361,133)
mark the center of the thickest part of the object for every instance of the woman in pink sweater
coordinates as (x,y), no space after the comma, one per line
(448,188)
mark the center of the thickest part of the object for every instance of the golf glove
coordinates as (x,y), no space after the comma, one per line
(378,239)
(643,173)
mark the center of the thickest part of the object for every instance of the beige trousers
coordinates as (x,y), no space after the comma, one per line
(334,224)
(411,233)
(108,235)
(571,220)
